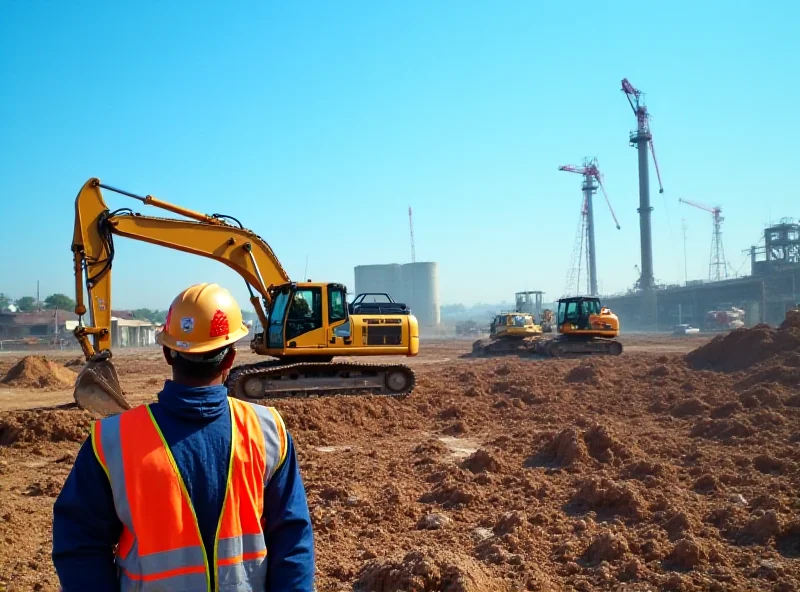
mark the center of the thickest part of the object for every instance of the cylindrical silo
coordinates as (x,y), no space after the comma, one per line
(378,278)
(421,286)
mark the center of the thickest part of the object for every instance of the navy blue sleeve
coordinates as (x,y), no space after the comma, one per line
(290,542)
(86,528)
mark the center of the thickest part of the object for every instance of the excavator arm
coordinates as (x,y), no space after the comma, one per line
(211,236)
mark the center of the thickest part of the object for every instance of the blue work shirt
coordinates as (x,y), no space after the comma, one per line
(196,424)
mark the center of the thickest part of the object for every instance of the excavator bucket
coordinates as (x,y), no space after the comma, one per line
(97,388)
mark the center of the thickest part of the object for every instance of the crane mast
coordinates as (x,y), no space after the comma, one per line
(642,138)
(591,174)
(717,264)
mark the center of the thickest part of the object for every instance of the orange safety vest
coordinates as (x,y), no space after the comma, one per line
(161,547)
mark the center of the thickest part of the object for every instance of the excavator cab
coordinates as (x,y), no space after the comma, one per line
(585,315)
(301,309)
(577,311)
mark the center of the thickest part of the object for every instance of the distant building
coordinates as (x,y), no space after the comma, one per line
(132,333)
(415,284)
(35,326)
(51,327)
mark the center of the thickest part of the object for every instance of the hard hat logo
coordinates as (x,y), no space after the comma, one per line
(187,324)
(219,325)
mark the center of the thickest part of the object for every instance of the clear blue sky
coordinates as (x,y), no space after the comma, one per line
(318,123)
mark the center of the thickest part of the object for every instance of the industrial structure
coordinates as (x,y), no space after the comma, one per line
(591,173)
(415,284)
(642,138)
(717,264)
(781,250)
(772,288)
(530,302)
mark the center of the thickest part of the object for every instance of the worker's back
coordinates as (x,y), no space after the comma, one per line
(196,424)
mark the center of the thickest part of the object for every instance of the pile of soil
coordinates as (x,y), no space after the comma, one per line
(39,372)
(741,349)
(425,571)
(44,426)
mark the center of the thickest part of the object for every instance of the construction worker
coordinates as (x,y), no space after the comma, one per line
(198,491)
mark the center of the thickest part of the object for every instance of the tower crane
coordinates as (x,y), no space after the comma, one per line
(642,138)
(591,173)
(717,265)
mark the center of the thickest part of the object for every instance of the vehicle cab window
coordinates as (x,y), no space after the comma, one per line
(337,307)
(305,312)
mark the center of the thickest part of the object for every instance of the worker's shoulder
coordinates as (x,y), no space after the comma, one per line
(116,417)
(263,412)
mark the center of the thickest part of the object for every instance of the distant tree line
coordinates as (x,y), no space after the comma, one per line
(64,302)
(29,304)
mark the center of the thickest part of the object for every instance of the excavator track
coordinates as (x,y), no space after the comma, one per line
(560,348)
(502,347)
(278,380)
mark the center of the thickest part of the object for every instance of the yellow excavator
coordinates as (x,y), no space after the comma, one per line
(584,326)
(305,325)
(509,332)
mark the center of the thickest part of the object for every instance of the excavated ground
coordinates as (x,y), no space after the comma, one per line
(653,470)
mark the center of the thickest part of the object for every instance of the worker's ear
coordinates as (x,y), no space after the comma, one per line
(167,355)
(227,361)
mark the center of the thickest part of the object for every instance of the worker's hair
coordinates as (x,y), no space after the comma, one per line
(198,367)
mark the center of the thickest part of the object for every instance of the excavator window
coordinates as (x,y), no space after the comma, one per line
(305,312)
(337,309)
(568,313)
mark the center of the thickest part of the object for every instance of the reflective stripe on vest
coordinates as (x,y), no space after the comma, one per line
(161,547)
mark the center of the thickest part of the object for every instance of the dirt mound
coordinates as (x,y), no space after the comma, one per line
(482,461)
(760,529)
(585,373)
(449,494)
(606,546)
(758,396)
(565,449)
(605,496)
(75,362)
(688,408)
(792,320)
(570,447)
(688,554)
(44,426)
(603,445)
(425,571)
(722,429)
(39,372)
(742,349)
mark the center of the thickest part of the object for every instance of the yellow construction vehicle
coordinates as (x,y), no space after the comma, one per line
(509,332)
(585,326)
(304,324)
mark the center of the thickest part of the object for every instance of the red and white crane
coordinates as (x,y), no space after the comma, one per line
(636,99)
(590,173)
(717,265)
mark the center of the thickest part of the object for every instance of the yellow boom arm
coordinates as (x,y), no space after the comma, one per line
(208,236)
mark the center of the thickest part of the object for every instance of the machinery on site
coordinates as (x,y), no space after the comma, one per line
(304,325)
(509,332)
(584,326)
(725,319)
(547,320)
